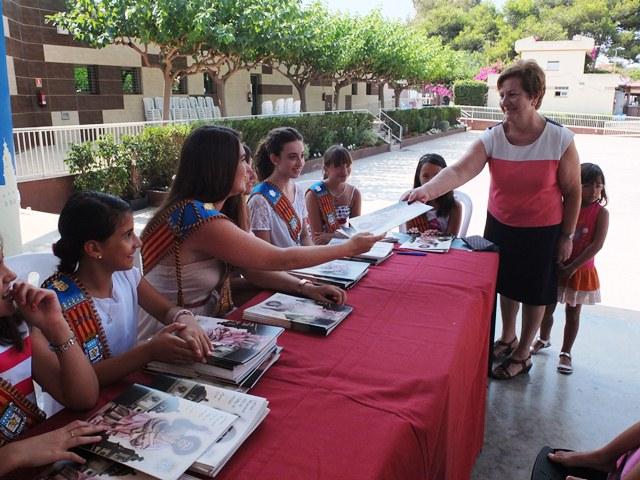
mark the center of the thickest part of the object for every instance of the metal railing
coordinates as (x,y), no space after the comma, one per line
(628,128)
(387,127)
(40,151)
(569,119)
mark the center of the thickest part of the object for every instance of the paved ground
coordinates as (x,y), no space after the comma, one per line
(580,411)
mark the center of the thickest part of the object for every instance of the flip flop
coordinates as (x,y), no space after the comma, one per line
(565,369)
(539,344)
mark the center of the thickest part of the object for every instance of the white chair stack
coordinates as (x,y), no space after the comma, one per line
(288,105)
(296,106)
(267,107)
(279,107)
(151,113)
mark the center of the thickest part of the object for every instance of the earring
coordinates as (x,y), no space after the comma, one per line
(99,257)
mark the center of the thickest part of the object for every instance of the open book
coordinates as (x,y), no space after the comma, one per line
(157,433)
(385,219)
(298,313)
(435,244)
(342,273)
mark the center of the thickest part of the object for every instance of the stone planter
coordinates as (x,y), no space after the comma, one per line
(138,203)
(156,197)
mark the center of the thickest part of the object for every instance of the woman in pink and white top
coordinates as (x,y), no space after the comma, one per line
(534,199)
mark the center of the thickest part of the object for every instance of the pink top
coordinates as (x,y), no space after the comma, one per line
(585,229)
(524,189)
(625,464)
(15,367)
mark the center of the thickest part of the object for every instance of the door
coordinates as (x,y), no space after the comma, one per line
(255,100)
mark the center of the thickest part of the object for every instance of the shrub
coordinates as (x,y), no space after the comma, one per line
(418,121)
(470,92)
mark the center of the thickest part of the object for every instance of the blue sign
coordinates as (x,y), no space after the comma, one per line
(6,128)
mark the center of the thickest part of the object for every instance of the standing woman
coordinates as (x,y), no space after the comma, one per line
(277,209)
(534,199)
(332,201)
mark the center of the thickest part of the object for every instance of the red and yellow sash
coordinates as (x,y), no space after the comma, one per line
(17,413)
(327,206)
(81,315)
(165,235)
(282,206)
(423,224)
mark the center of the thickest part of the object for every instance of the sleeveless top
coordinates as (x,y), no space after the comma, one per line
(333,216)
(585,230)
(524,190)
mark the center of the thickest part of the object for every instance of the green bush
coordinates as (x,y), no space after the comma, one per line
(418,121)
(470,92)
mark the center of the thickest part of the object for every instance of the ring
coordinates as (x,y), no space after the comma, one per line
(71,432)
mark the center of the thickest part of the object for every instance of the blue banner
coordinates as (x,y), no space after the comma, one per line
(6,138)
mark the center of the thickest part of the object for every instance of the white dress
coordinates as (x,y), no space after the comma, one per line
(264,217)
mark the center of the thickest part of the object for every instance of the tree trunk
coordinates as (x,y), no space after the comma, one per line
(166,98)
(302,93)
(396,93)
(221,93)
(336,95)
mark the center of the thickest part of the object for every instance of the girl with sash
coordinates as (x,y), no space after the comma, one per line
(100,291)
(446,216)
(277,208)
(332,201)
(196,238)
(36,344)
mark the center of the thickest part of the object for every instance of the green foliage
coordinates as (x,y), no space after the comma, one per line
(470,92)
(418,121)
(633,73)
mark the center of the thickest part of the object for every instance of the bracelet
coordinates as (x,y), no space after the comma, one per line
(183,311)
(64,346)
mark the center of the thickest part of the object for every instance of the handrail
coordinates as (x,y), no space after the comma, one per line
(382,114)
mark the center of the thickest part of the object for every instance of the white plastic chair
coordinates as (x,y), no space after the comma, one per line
(467,210)
(158,101)
(193,102)
(267,107)
(296,106)
(201,102)
(288,105)
(209,102)
(36,268)
(279,107)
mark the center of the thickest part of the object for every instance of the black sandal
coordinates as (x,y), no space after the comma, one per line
(501,372)
(502,350)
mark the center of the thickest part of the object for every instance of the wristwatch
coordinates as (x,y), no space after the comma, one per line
(302,283)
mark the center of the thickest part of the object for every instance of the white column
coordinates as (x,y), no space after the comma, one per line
(9,195)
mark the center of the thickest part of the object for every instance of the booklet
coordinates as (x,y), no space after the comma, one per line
(157,433)
(96,468)
(298,313)
(383,220)
(344,273)
(236,343)
(376,255)
(251,411)
(435,244)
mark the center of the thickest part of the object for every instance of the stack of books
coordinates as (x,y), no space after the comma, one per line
(341,273)
(434,244)
(163,431)
(375,256)
(297,313)
(242,352)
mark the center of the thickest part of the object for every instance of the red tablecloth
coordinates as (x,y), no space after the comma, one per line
(397,391)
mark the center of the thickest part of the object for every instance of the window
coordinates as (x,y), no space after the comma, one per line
(86,78)
(354,88)
(131,81)
(209,85)
(561,92)
(553,65)
(180,85)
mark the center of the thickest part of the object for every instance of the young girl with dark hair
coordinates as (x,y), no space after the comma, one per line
(446,216)
(332,201)
(277,208)
(36,344)
(578,282)
(100,290)
(194,240)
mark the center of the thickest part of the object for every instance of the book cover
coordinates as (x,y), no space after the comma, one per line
(385,219)
(298,313)
(251,410)
(338,269)
(235,343)
(157,433)
(379,252)
(435,244)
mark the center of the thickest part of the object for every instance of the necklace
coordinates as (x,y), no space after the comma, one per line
(344,189)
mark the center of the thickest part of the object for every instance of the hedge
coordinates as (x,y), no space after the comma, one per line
(470,92)
(417,121)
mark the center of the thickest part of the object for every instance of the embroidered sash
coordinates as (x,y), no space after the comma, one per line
(282,206)
(327,206)
(17,413)
(81,315)
(165,235)
(420,223)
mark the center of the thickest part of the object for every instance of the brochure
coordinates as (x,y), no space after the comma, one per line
(376,255)
(383,220)
(435,243)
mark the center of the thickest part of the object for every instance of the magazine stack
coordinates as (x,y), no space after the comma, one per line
(297,313)
(341,273)
(242,353)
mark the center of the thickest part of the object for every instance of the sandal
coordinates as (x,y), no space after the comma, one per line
(539,344)
(501,372)
(502,350)
(565,369)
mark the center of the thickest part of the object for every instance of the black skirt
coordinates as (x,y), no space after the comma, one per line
(528,269)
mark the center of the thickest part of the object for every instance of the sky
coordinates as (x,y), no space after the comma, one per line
(399,9)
